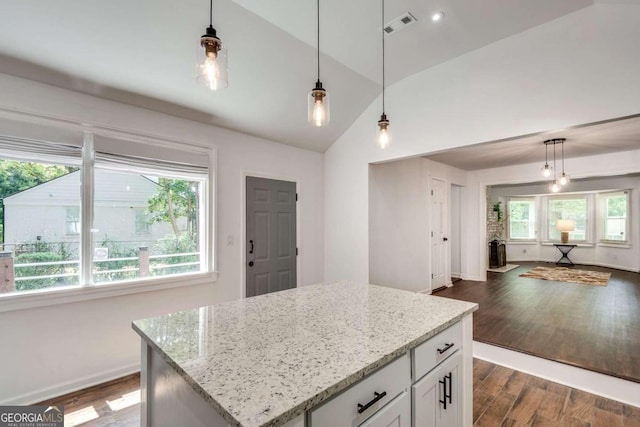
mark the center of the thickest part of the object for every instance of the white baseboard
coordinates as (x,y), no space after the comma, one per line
(71,386)
(598,264)
(582,379)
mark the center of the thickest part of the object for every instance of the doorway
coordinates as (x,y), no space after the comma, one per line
(438,237)
(270,236)
(455,234)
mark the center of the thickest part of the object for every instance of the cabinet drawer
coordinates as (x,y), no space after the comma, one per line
(342,410)
(428,354)
(395,414)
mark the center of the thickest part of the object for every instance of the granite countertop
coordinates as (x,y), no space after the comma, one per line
(264,360)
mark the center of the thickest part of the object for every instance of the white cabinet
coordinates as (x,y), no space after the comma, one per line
(396,414)
(436,398)
(371,395)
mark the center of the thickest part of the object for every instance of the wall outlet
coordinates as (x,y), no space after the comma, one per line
(230,240)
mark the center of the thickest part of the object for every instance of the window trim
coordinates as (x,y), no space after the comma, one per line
(54,296)
(86,290)
(590,215)
(535,220)
(601,214)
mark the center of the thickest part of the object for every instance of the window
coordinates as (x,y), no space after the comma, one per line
(573,207)
(614,217)
(133,217)
(72,222)
(141,221)
(522,218)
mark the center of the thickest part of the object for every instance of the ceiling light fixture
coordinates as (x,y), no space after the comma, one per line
(318,99)
(212,58)
(546,170)
(384,138)
(563,178)
(437,16)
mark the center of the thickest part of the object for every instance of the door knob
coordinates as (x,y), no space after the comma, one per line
(250,263)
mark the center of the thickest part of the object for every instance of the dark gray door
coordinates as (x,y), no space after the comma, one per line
(271,235)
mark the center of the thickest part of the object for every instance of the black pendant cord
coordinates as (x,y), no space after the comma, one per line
(546,154)
(211,13)
(318,23)
(383,76)
(562,146)
(554,160)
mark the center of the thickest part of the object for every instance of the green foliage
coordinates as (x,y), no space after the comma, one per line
(172,244)
(175,198)
(617,206)
(116,251)
(43,270)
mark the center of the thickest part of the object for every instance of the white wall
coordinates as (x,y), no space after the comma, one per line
(398,226)
(577,69)
(54,349)
(621,257)
(399,221)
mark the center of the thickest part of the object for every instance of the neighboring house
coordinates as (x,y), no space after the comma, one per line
(50,212)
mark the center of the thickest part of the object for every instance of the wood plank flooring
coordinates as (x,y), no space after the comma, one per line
(114,403)
(592,327)
(504,397)
(501,397)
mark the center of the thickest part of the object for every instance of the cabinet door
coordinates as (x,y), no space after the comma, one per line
(450,371)
(396,414)
(436,397)
(425,396)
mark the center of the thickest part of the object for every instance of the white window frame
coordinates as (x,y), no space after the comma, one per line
(138,212)
(87,290)
(602,217)
(535,219)
(544,218)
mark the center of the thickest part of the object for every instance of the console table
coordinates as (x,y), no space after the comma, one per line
(564,250)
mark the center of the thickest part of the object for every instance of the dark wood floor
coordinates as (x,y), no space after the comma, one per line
(592,327)
(501,397)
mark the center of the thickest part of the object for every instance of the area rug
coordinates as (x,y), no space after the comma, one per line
(571,275)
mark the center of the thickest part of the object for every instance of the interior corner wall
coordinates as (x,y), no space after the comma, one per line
(398,226)
(52,350)
(576,69)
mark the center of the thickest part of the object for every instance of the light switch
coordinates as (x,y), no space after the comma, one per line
(230,240)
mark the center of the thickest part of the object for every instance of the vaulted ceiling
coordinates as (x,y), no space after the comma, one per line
(143,52)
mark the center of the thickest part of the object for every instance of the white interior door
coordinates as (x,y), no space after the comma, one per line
(438,237)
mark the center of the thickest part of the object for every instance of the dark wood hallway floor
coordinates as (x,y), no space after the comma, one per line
(592,327)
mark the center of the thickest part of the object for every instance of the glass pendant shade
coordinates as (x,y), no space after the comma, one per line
(546,170)
(563,179)
(555,187)
(384,137)
(318,106)
(212,61)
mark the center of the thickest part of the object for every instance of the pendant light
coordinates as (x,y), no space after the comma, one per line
(563,178)
(212,58)
(555,187)
(318,99)
(384,138)
(546,170)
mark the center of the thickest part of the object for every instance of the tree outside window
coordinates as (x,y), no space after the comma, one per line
(614,219)
(522,219)
(574,208)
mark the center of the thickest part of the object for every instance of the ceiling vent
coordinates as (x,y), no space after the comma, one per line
(400,23)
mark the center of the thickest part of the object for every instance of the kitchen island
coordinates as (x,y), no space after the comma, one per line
(304,356)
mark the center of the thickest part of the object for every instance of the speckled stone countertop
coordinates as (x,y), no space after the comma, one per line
(262,361)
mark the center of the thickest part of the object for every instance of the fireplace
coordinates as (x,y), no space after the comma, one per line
(497,254)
